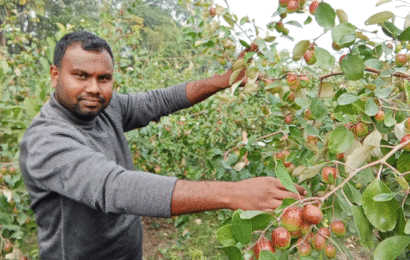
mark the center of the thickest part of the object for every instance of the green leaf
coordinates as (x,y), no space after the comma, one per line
(344,34)
(380,2)
(308,20)
(340,140)
(374,63)
(353,67)
(342,16)
(286,202)
(318,109)
(300,49)
(267,255)
(232,252)
(390,248)
(250,214)
(347,98)
(371,107)
(241,229)
(325,15)
(407,228)
(225,237)
(403,164)
(310,172)
(384,197)
(376,211)
(364,227)
(227,17)
(284,177)
(389,120)
(405,35)
(379,17)
(260,222)
(323,58)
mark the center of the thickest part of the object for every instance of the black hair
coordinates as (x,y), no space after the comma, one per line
(88,41)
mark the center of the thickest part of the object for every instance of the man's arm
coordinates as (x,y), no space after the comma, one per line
(200,90)
(260,193)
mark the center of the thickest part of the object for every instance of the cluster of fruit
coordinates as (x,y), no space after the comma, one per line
(298,223)
(8,248)
(8,170)
(400,59)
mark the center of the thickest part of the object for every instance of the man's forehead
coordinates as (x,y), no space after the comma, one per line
(75,56)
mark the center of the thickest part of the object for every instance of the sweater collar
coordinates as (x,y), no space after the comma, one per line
(70,116)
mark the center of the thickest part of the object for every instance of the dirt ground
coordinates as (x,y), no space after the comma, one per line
(155,236)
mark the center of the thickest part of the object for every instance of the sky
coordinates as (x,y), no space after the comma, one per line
(358,12)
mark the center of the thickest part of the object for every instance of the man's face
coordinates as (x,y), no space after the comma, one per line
(84,81)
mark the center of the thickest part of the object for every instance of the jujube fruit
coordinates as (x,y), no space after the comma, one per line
(330,251)
(405,139)
(313,6)
(292,6)
(327,172)
(400,60)
(310,57)
(304,248)
(263,244)
(292,218)
(312,214)
(319,242)
(338,228)
(280,238)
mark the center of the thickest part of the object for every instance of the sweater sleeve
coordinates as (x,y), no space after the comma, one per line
(55,158)
(139,109)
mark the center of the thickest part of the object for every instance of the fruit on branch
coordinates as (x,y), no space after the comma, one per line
(283,3)
(310,57)
(407,123)
(292,6)
(319,242)
(8,247)
(390,46)
(295,234)
(338,228)
(305,228)
(308,115)
(292,79)
(23,258)
(361,129)
(399,47)
(286,31)
(295,88)
(304,248)
(330,251)
(280,156)
(336,47)
(400,60)
(340,156)
(329,175)
(342,57)
(283,15)
(304,81)
(312,214)
(279,26)
(280,238)
(292,218)
(405,139)
(313,6)
(3,170)
(324,232)
(263,244)
(291,97)
(288,119)
(212,11)
(379,117)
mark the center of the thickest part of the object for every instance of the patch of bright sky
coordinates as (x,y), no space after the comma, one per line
(358,12)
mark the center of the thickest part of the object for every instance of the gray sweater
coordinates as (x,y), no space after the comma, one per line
(84,190)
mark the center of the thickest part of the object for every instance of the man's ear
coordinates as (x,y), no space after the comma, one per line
(54,73)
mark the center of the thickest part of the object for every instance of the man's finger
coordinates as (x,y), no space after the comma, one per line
(300,189)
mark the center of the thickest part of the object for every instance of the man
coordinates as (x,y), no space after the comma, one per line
(78,169)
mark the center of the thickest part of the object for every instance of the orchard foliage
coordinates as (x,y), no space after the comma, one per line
(340,128)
